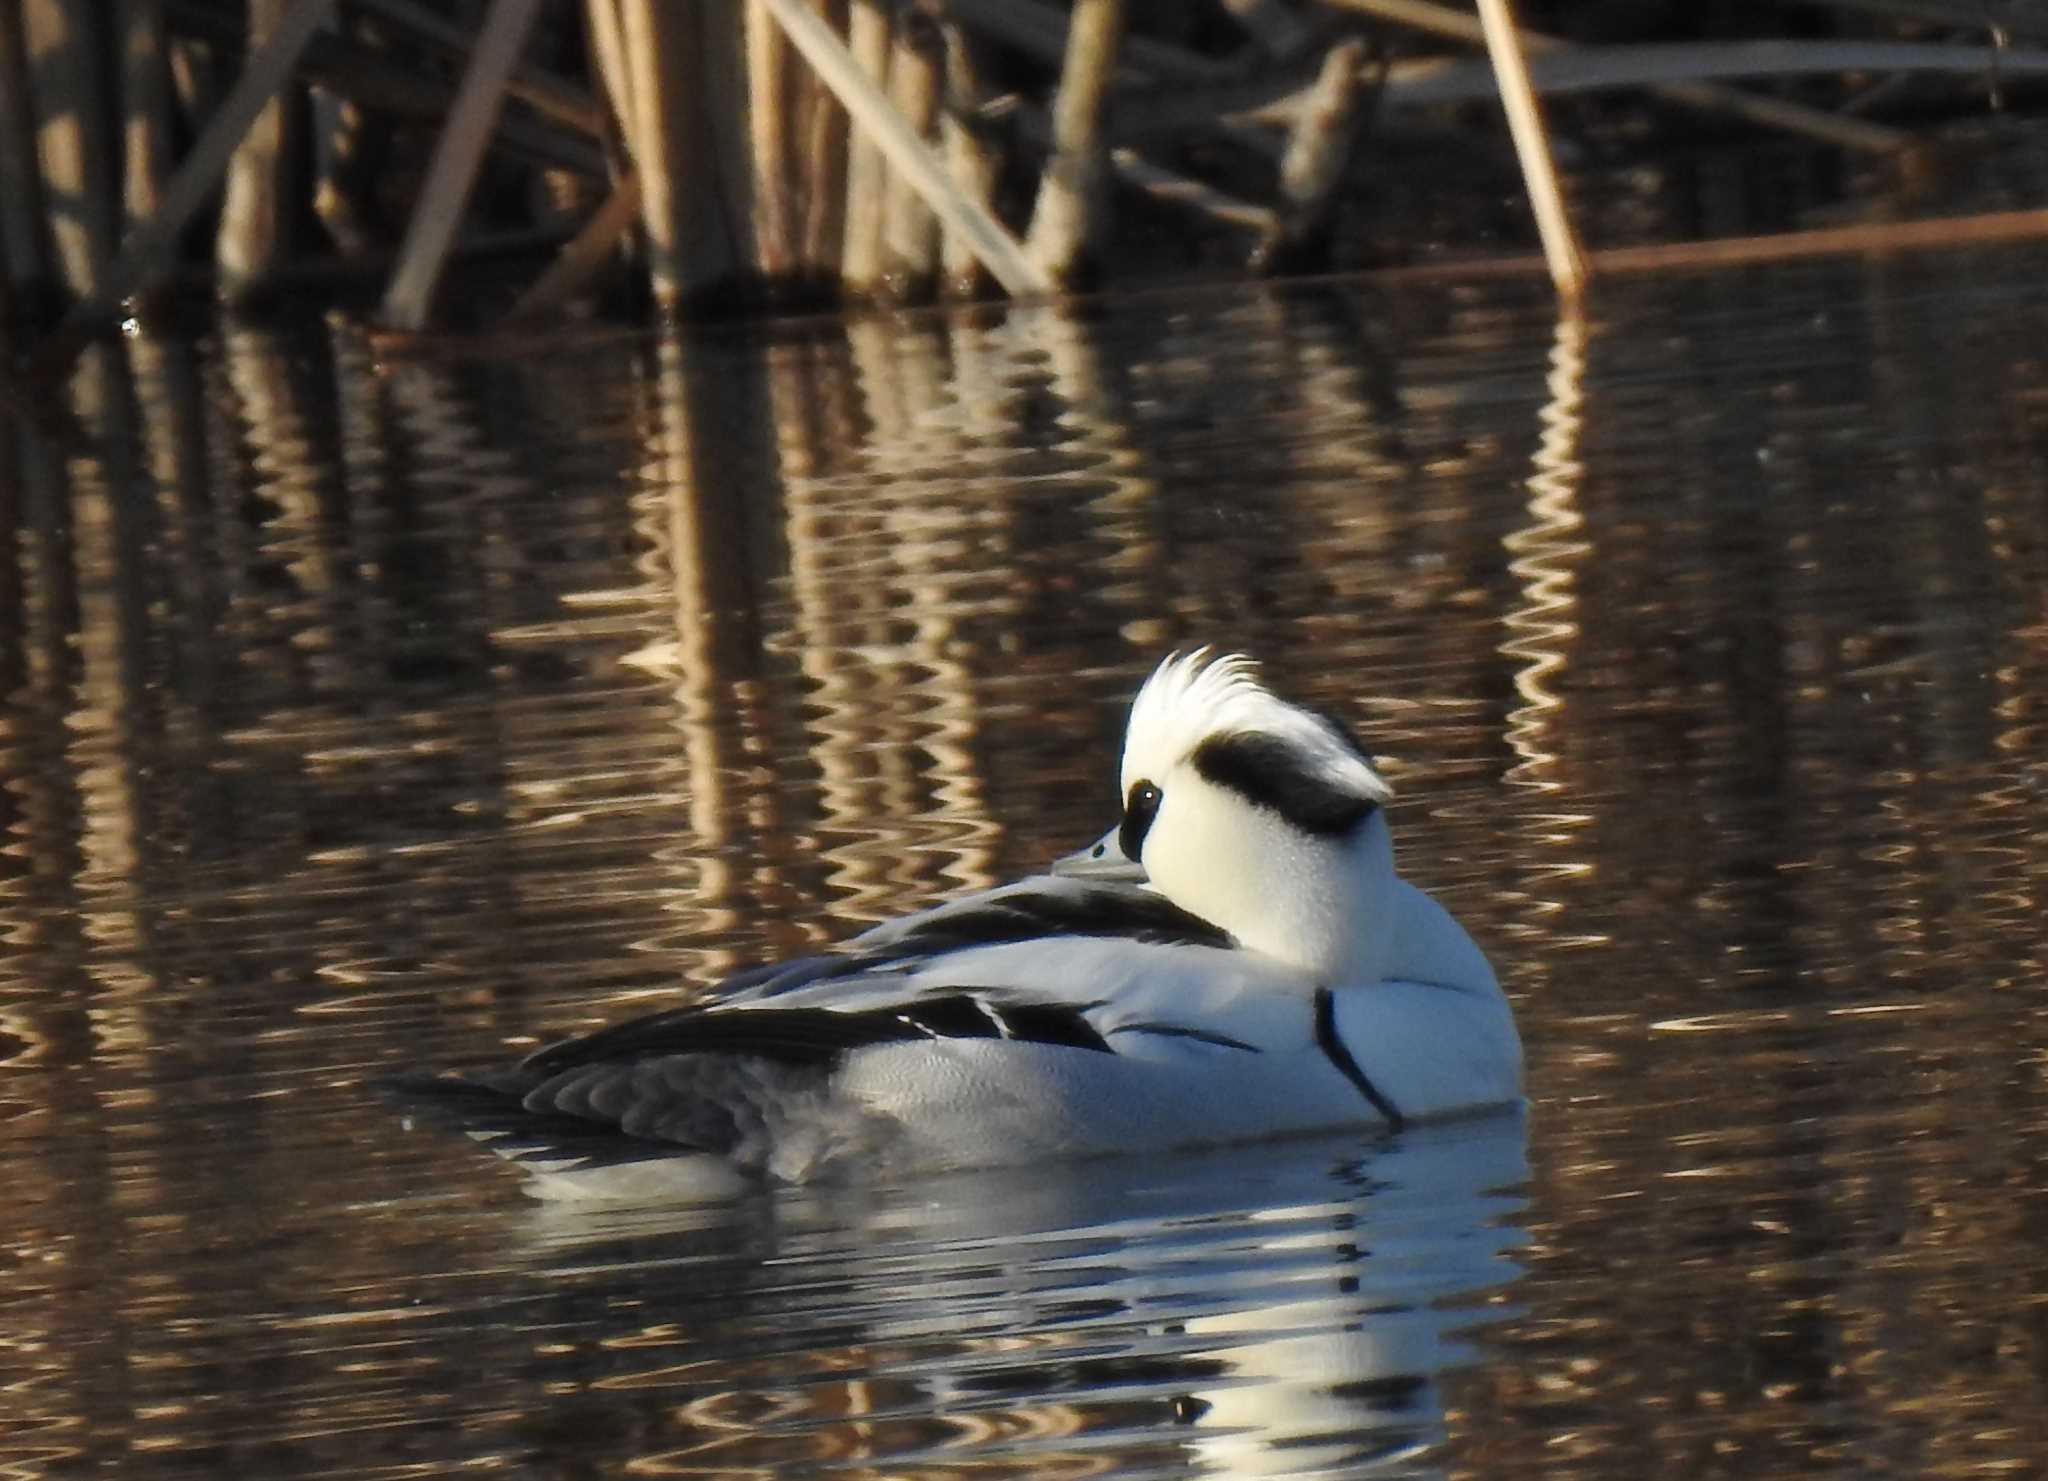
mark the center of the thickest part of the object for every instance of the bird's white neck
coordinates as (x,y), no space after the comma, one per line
(1325,905)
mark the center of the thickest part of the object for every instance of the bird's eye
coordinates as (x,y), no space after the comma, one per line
(1140,808)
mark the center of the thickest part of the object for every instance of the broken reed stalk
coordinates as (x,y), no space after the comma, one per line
(584,257)
(1318,148)
(1184,190)
(910,232)
(1161,183)
(1070,193)
(1532,146)
(1006,261)
(458,154)
(867,43)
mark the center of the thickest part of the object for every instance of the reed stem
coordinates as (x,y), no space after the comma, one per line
(64,46)
(1070,195)
(459,153)
(1532,146)
(910,230)
(904,150)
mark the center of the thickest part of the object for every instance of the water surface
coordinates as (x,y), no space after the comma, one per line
(373,711)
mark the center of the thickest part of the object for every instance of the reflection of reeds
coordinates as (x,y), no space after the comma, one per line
(353,714)
(878,589)
(1545,553)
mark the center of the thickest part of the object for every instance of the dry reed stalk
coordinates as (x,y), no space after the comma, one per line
(973,163)
(1318,148)
(23,266)
(723,205)
(677,59)
(458,155)
(148,250)
(1442,20)
(608,50)
(1532,146)
(256,210)
(1941,233)
(362,74)
(1945,232)
(145,108)
(584,257)
(823,146)
(604,33)
(64,46)
(869,24)
(1182,190)
(549,97)
(1006,261)
(910,231)
(771,112)
(1071,200)
(1163,184)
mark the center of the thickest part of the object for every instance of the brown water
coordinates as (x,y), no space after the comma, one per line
(365,714)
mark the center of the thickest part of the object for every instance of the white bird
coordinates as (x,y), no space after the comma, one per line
(1237,958)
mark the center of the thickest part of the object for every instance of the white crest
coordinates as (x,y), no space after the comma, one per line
(1199,696)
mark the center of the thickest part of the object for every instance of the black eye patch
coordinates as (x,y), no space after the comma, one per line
(1267,772)
(1140,808)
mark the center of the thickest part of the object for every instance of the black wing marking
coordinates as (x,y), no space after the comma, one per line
(664,1076)
(1052,906)
(1182,1031)
(817,1037)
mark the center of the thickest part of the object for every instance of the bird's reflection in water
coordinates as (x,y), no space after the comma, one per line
(1277,1310)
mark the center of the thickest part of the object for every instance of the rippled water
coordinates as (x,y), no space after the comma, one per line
(364,712)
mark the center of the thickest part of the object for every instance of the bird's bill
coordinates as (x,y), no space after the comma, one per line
(1102,860)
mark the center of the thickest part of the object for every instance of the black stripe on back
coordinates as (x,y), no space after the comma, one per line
(821,1036)
(1333,1045)
(1269,772)
(1182,1031)
(1120,911)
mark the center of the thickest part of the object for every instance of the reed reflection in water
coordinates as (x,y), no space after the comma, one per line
(362,713)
